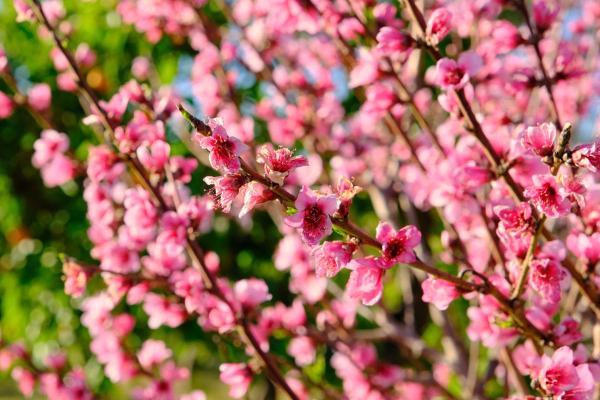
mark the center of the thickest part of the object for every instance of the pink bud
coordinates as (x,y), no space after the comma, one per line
(439,292)
(7,106)
(251,292)
(39,97)
(439,25)
(3,62)
(540,139)
(84,55)
(141,68)
(392,41)
(350,28)
(152,353)
(302,348)
(544,15)
(505,36)
(238,377)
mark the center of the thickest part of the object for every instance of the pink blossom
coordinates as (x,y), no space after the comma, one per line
(166,254)
(385,14)
(103,164)
(540,139)
(198,210)
(10,354)
(155,156)
(59,171)
(254,194)
(331,257)
(76,278)
(48,146)
(251,292)
(24,12)
(515,220)
(505,36)
(585,247)
(366,71)
(366,280)
(392,41)
(7,106)
(587,156)
(215,314)
(67,81)
(118,258)
(546,276)
(558,374)
(567,332)
(182,168)
(115,108)
(546,196)
(439,25)
(84,55)
(25,381)
(152,353)
(75,386)
(141,68)
(350,28)
(397,246)
(455,74)
(294,316)
(345,191)
(224,150)
(140,218)
(544,15)
(312,215)
(225,189)
(303,349)
(39,97)
(61,63)
(380,98)
(278,163)
(162,312)
(439,292)
(238,377)
(133,91)
(139,131)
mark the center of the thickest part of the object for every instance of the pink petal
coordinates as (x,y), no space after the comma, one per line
(384,232)
(471,62)
(305,198)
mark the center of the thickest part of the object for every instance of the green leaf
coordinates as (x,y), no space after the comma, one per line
(339,230)
(505,323)
(291,210)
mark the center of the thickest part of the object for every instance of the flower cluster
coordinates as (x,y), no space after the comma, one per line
(448,182)
(50,156)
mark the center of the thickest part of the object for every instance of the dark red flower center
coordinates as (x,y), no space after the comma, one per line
(393,248)
(454,75)
(314,218)
(223,148)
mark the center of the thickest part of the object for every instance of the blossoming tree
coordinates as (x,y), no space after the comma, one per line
(430,168)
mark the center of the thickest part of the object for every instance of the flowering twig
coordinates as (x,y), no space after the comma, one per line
(363,237)
(193,247)
(589,291)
